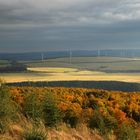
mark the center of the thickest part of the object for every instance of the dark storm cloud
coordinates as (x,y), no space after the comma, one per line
(65,12)
(27,25)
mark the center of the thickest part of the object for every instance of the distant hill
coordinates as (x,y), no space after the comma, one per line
(75,53)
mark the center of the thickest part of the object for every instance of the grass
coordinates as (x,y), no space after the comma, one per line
(35,132)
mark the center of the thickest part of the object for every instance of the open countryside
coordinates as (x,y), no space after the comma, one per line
(77,68)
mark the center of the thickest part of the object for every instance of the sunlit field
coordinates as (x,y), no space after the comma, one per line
(105,64)
(80,68)
(52,74)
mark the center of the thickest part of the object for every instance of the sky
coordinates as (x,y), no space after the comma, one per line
(51,25)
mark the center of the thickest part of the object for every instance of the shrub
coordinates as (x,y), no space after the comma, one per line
(51,112)
(97,122)
(32,106)
(70,118)
(136,116)
(8,108)
(104,124)
(126,132)
(110,123)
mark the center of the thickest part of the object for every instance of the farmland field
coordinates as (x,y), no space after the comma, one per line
(80,68)
(111,64)
(4,63)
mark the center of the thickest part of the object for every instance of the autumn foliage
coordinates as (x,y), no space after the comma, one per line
(78,105)
(82,103)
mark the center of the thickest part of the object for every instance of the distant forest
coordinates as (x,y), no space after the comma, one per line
(106,85)
(13,67)
(74,53)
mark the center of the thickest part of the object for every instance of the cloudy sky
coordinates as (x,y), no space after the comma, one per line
(44,25)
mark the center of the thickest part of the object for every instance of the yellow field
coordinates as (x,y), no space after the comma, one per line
(52,69)
(68,74)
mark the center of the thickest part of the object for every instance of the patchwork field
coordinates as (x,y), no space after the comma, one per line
(104,64)
(80,68)
(69,76)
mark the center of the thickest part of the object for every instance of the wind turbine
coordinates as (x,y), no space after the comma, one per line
(99,52)
(42,56)
(70,56)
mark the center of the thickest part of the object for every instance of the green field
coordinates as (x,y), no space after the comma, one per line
(105,64)
(4,63)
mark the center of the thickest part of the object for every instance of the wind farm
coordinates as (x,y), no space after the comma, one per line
(97,68)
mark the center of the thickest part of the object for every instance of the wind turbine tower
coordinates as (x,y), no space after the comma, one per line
(42,56)
(99,53)
(70,56)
